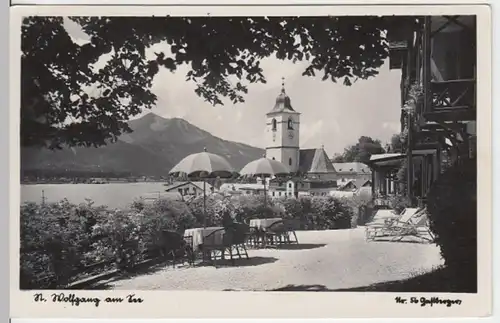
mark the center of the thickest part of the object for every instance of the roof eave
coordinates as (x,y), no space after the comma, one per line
(282,111)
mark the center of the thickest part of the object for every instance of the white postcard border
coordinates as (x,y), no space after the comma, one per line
(188,304)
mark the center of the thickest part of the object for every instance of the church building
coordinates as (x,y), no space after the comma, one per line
(283,145)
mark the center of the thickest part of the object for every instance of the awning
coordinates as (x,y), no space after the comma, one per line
(395,159)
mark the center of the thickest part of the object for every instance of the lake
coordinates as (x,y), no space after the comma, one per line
(116,195)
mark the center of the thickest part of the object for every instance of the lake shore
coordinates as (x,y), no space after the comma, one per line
(113,195)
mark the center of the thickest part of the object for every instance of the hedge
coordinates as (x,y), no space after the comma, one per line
(452,205)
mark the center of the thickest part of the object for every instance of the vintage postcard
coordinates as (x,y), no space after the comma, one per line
(250,161)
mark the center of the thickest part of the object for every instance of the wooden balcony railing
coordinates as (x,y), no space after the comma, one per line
(453,100)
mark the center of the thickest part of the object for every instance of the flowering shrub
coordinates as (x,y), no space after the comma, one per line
(56,239)
(329,213)
(361,206)
(248,207)
(120,238)
(216,206)
(161,215)
(317,213)
(293,208)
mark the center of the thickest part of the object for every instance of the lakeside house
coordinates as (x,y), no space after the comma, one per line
(242,188)
(189,188)
(153,196)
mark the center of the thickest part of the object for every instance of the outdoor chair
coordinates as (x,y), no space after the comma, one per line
(213,249)
(275,233)
(417,227)
(240,236)
(411,222)
(290,226)
(385,217)
(381,226)
(173,244)
(254,235)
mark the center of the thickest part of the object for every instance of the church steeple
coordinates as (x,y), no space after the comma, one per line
(283,124)
(283,102)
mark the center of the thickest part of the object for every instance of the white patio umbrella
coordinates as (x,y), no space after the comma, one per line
(203,165)
(264,167)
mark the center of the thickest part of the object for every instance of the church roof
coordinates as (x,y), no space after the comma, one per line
(315,161)
(283,103)
(353,167)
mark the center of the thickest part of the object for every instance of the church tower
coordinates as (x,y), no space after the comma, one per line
(283,136)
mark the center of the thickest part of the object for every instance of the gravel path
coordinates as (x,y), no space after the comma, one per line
(333,259)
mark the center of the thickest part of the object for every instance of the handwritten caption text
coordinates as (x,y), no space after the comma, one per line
(428,301)
(75,300)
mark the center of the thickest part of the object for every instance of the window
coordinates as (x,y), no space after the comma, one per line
(273,158)
(290,124)
(289,185)
(275,124)
(279,193)
(290,161)
(186,191)
(180,191)
(272,193)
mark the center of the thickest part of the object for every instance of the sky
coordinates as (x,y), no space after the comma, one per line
(332,115)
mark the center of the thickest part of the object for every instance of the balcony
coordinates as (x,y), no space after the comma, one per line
(452,100)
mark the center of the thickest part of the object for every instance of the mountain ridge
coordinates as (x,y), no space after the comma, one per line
(162,142)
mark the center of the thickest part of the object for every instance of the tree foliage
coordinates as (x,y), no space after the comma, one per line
(396,144)
(83,95)
(361,151)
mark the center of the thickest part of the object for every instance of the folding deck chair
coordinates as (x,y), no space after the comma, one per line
(410,224)
(417,227)
(384,220)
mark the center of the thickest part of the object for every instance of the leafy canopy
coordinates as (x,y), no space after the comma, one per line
(69,99)
(361,151)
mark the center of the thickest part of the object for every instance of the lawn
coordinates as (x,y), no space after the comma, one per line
(322,261)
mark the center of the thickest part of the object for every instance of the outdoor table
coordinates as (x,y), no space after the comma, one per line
(198,234)
(262,224)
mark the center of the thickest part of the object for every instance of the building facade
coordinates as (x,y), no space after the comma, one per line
(189,188)
(355,173)
(437,59)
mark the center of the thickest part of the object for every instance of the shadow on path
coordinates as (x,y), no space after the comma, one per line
(252,261)
(142,270)
(300,246)
(437,281)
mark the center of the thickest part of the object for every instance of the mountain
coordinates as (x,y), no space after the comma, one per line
(153,148)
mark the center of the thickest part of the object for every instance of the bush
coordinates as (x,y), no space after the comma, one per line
(56,240)
(361,206)
(329,213)
(121,238)
(452,204)
(292,208)
(217,208)
(162,215)
(248,207)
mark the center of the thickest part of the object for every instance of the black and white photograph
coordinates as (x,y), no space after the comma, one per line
(259,153)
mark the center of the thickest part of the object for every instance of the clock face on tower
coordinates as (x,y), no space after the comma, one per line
(290,134)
